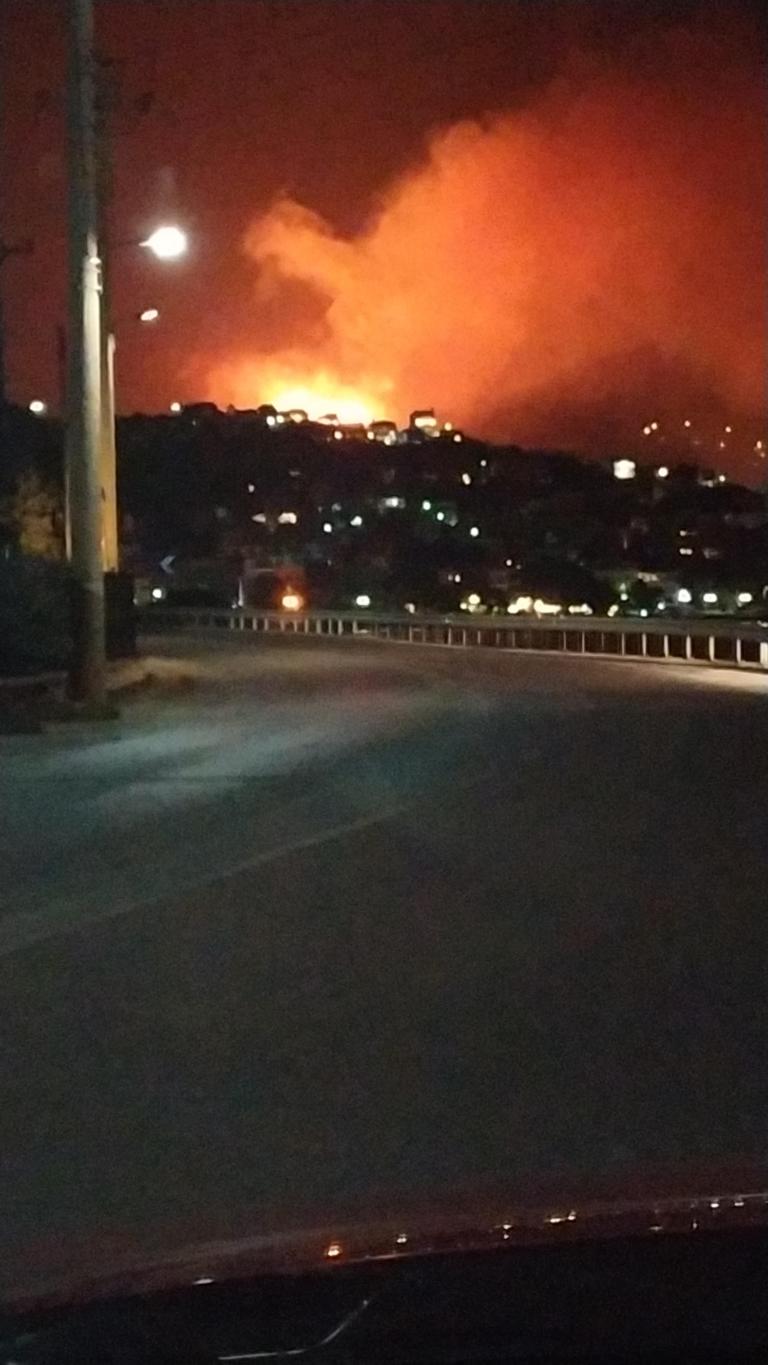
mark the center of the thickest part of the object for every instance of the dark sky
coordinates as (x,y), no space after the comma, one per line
(289,126)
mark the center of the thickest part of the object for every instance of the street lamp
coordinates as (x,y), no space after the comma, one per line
(167,242)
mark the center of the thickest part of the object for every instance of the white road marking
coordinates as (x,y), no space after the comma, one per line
(22,930)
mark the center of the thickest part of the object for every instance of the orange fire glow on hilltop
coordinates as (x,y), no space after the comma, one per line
(321,395)
(554,273)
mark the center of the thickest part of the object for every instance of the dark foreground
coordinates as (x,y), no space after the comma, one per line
(344,925)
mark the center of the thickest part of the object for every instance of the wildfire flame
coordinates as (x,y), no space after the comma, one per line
(320,398)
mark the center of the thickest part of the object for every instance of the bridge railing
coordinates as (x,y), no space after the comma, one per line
(715,643)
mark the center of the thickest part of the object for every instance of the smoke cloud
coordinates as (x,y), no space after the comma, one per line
(556,275)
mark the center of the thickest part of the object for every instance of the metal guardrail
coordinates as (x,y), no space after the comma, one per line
(715,643)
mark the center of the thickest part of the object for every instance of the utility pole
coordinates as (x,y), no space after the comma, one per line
(84,362)
(8,249)
(107,99)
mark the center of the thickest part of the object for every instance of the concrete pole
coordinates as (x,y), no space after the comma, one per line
(109,537)
(109,534)
(84,406)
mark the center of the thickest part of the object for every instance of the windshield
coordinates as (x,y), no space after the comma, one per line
(383,603)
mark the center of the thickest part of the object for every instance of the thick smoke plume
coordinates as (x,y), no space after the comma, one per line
(560,274)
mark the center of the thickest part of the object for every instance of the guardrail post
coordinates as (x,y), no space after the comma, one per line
(711,649)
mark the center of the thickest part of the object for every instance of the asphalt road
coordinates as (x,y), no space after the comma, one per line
(344,924)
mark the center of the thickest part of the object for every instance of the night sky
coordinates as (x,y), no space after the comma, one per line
(545,219)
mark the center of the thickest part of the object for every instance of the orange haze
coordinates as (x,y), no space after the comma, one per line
(560,274)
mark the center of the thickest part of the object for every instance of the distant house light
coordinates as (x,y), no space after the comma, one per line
(327,527)
(287,518)
(624,469)
(684,596)
(662,472)
(356,521)
(38,407)
(362,600)
(710,598)
(520,604)
(426,505)
(175,408)
(439,516)
(744,598)
(466,479)
(474,531)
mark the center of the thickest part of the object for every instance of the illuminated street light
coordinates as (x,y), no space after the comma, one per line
(362,600)
(38,407)
(149,315)
(167,243)
(175,407)
(684,597)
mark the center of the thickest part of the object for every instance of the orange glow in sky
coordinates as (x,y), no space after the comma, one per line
(554,274)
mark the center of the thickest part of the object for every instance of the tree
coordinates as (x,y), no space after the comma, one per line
(31,517)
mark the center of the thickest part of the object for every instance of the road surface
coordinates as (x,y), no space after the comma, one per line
(345,923)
